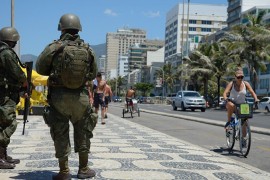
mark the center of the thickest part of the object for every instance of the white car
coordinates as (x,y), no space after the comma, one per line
(188,100)
(264,104)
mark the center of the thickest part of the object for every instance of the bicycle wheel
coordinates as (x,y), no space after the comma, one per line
(230,137)
(245,138)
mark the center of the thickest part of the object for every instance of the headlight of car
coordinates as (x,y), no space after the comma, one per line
(189,100)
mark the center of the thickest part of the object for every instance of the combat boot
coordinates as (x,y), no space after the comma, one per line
(3,163)
(84,171)
(64,170)
(9,159)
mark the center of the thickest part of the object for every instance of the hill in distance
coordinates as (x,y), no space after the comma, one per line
(99,49)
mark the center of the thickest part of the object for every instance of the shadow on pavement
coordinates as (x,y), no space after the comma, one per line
(227,152)
(34,175)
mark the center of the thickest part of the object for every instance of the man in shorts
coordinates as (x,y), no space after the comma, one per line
(108,95)
(99,96)
(129,95)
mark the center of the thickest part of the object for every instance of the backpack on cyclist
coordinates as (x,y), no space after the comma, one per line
(75,64)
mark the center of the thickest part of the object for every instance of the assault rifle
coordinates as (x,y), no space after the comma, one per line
(29,67)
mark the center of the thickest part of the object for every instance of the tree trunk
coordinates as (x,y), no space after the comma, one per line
(218,83)
(206,89)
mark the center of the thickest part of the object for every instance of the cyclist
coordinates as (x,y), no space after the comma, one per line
(237,91)
(129,95)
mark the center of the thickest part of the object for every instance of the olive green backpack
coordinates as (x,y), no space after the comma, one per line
(75,64)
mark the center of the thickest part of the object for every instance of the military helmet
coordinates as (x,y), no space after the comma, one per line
(9,34)
(69,21)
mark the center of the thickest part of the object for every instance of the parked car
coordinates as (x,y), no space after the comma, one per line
(264,104)
(189,100)
(117,99)
(169,98)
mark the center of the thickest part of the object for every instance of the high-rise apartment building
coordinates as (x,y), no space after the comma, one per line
(138,53)
(237,7)
(118,44)
(186,25)
(101,63)
(123,66)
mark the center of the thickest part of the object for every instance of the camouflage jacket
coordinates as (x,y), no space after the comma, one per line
(11,74)
(46,60)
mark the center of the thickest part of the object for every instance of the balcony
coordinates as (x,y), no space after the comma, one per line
(233,18)
(234,6)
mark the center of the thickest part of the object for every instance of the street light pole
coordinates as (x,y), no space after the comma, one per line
(12,13)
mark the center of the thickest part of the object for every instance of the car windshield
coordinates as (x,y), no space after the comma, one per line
(191,94)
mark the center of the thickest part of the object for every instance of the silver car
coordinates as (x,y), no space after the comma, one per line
(189,100)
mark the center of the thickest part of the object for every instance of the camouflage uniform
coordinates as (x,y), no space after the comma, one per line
(67,104)
(11,79)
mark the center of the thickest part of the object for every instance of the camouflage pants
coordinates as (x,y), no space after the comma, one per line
(8,123)
(73,107)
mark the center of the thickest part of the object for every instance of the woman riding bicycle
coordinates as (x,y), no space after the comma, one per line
(237,91)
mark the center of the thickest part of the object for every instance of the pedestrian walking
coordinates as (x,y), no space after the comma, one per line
(12,79)
(108,96)
(70,63)
(99,96)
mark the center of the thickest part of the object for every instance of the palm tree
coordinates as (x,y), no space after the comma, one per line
(169,75)
(249,44)
(199,64)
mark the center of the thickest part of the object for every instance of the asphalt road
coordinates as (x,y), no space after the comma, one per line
(204,135)
(259,119)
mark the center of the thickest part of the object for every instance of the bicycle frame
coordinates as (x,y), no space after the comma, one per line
(239,125)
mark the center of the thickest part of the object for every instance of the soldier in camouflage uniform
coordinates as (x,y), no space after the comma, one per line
(68,104)
(12,79)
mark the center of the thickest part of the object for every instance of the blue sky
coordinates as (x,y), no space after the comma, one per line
(37,20)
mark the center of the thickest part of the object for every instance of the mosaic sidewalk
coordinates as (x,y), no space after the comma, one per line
(123,150)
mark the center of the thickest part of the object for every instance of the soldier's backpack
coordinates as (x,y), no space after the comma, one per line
(75,64)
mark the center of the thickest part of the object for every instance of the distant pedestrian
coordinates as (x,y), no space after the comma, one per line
(99,96)
(12,79)
(70,63)
(108,97)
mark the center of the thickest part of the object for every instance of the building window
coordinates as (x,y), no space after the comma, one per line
(192,21)
(206,22)
(192,29)
(206,29)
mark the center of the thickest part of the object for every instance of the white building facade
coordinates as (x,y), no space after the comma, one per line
(101,63)
(186,25)
(123,66)
(118,43)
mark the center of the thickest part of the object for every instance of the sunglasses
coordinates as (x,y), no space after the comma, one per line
(239,77)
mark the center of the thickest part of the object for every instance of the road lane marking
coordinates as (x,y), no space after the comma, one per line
(263,148)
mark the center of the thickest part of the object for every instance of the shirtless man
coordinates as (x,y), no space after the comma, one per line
(108,96)
(99,96)
(130,94)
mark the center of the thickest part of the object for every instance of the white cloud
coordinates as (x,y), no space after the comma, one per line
(152,14)
(110,12)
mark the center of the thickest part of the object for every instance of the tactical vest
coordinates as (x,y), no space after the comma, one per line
(72,65)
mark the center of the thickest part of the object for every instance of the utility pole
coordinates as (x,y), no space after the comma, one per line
(182,40)
(17,47)
(12,13)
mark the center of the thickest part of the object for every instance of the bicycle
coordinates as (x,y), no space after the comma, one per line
(132,108)
(239,128)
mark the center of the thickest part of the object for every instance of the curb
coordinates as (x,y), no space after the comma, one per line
(206,121)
